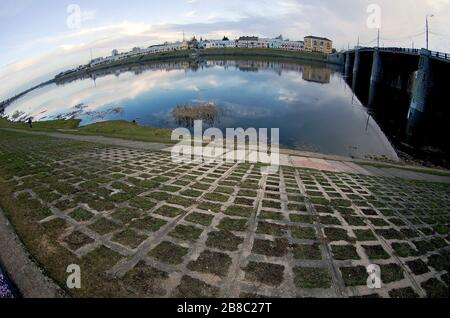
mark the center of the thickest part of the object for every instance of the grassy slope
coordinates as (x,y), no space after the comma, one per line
(42,125)
(243,51)
(113,128)
(41,240)
(127,130)
(432,171)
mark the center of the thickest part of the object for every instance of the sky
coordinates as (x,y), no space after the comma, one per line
(39,39)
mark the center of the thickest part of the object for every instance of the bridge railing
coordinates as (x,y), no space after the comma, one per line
(445,56)
(400,50)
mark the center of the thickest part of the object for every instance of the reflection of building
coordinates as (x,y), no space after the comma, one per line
(318,44)
(316,74)
(310,72)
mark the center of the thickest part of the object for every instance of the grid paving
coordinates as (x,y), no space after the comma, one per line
(217,229)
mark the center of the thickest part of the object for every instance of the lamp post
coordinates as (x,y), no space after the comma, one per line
(426,23)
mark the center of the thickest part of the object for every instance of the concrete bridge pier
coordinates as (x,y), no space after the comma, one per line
(376,77)
(356,66)
(356,63)
(423,83)
(420,101)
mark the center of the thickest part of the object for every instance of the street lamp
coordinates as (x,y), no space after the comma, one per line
(426,23)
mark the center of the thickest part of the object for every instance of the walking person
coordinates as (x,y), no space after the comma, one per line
(30,122)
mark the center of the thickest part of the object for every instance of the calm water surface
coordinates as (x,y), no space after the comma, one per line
(311,104)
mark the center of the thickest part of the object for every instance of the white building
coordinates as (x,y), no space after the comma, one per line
(264,43)
(247,42)
(292,45)
(216,44)
(154,49)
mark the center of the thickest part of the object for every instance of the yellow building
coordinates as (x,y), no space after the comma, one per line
(318,44)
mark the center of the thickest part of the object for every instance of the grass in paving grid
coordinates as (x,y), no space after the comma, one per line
(364,235)
(278,247)
(337,234)
(238,210)
(300,218)
(344,252)
(217,197)
(148,223)
(104,226)
(375,252)
(266,273)
(230,224)
(354,276)
(194,288)
(271,215)
(406,292)
(210,206)
(77,240)
(129,238)
(223,240)
(169,253)
(169,211)
(391,273)
(144,280)
(403,249)
(211,262)
(312,277)
(199,218)
(179,200)
(270,228)
(81,215)
(307,251)
(125,215)
(303,233)
(51,169)
(418,267)
(142,203)
(440,262)
(186,232)
(435,288)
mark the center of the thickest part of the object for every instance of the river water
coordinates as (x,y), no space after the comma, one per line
(310,103)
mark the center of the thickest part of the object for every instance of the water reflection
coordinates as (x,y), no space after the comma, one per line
(415,134)
(185,115)
(310,103)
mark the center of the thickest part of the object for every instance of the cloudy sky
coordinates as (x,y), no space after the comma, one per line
(40,38)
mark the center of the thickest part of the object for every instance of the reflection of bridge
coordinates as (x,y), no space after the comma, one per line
(421,73)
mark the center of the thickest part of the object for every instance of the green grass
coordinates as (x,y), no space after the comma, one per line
(436,172)
(42,125)
(265,52)
(126,130)
(113,128)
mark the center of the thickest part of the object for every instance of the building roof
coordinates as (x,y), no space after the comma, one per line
(248,38)
(317,37)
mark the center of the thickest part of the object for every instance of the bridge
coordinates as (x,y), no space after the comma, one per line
(419,73)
